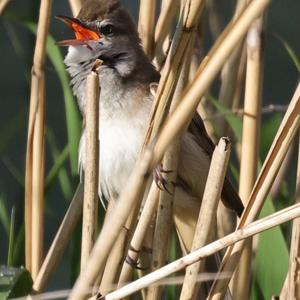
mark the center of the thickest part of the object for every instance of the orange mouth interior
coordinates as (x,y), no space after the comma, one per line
(82,33)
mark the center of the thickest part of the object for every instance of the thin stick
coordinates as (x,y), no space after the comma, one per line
(282,173)
(75,6)
(165,211)
(3,5)
(60,241)
(250,145)
(293,290)
(163,27)
(139,234)
(35,148)
(147,24)
(207,215)
(256,227)
(163,226)
(38,181)
(229,73)
(251,116)
(90,201)
(113,263)
(277,152)
(214,18)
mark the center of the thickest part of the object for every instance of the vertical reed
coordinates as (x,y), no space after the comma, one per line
(229,73)
(163,29)
(293,290)
(34,174)
(207,216)
(163,227)
(75,6)
(146,25)
(250,144)
(91,174)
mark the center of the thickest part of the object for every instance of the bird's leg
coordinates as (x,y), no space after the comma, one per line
(160,181)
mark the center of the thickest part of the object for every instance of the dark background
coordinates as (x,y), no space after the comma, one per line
(16,49)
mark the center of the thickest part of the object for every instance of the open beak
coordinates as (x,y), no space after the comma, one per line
(83,34)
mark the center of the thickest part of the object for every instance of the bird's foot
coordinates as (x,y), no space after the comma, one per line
(160,181)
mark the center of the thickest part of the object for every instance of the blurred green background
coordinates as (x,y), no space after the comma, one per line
(16,49)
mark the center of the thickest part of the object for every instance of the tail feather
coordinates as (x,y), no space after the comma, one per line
(231,199)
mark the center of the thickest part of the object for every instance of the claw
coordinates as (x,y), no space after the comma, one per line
(161,182)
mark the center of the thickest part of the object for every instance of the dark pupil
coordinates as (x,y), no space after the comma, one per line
(108,29)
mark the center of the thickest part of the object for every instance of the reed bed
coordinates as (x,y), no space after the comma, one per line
(141,242)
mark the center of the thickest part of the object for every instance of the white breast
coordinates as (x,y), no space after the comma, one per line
(123,122)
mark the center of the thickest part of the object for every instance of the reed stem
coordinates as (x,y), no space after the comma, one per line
(250,144)
(34,173)
(60,241)
(146,25)
(293,291)
(91,174)
(75,6)
(207,216)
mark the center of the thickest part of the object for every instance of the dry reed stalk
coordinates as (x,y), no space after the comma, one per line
(146,25)
(163,29)
(229,73)
(254,228)
(277,152)
(240,80)
(127,202)
(250,145)
(75,6)
(163,225)
(282,173)
(34,177)
(91,174)
(110,208)
(207,215)
(113,263)
(139,234)
(165,212)
(293,289)
(205,75)
(214,18)
(3,5)
(60,241)
(252,107)
(116,257)
(38,180)
(180,49)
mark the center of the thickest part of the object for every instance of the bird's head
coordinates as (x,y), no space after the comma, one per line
(103,29)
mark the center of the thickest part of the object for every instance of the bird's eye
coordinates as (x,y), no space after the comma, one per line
(107,29)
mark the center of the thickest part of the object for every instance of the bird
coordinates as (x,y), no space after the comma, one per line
(104,30)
